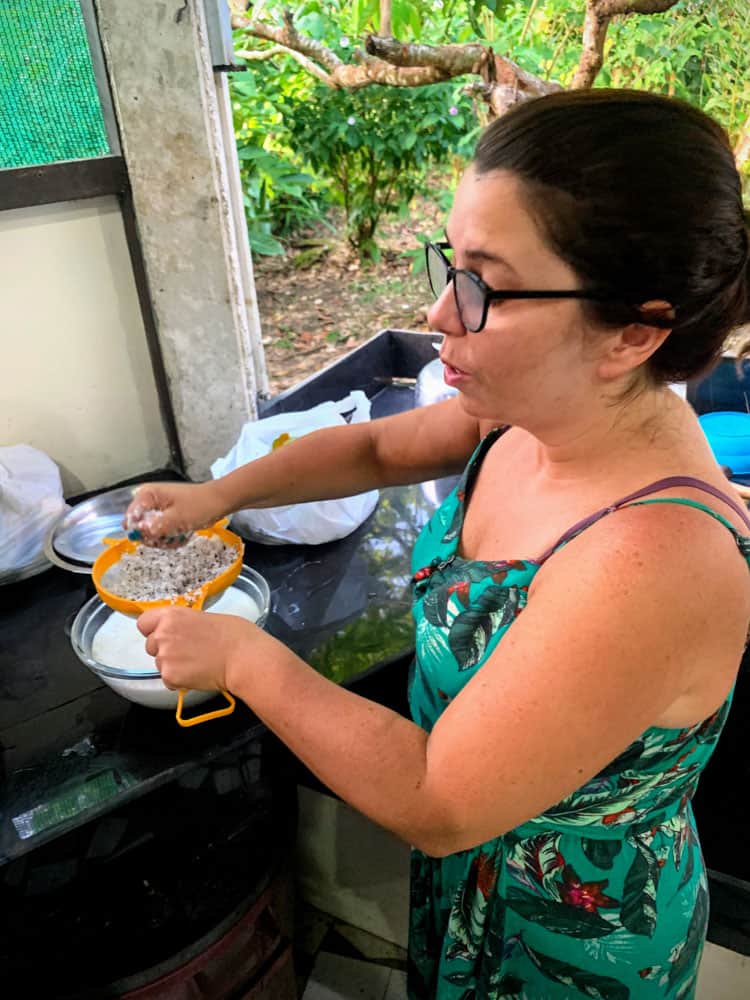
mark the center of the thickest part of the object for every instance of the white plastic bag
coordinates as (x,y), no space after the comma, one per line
(31,501)
(305,523)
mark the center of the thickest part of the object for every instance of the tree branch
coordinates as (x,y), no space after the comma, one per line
(452,60)
(385,17)
(596,21)
(260,55)
(290,38)
(503,84)
(390,62)
(595,27)
(610,8)
(339,73)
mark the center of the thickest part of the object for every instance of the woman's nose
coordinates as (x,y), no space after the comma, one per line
(443,314)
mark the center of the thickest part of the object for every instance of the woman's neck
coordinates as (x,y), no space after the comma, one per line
(611,432)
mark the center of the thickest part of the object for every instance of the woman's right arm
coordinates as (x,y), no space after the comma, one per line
(420,444)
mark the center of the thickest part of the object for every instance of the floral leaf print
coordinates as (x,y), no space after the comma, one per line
(508,986)
(709,730)
(471,631)
(435,606)
(537,860)
(679,839)
(638,913)
(447,593)
(684,967)
(588,983)
(601,853)
(585,807)
(477,572)
(428,696)
(645,829)
(587,895)
(624,762)
(469,912)
(453,530)
(461,979)
(432,644)
(690,843)
(559,918)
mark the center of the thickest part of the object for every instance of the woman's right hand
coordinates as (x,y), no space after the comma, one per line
(164,514)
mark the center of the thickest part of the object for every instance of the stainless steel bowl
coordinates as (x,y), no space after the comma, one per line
(76,540)
(144,685)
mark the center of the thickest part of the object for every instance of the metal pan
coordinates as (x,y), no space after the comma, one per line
(76,540)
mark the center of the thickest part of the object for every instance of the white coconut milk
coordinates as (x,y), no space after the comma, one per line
(118,643)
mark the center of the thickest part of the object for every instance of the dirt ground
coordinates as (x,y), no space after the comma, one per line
(318,301)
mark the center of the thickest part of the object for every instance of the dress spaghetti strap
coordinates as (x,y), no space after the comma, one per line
(660,484)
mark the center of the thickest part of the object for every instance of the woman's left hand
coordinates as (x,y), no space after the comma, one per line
(194,650)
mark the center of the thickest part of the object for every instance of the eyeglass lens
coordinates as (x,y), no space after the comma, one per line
(469,296)
(437,271)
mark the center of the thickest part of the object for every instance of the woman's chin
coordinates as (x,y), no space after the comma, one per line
(480,409)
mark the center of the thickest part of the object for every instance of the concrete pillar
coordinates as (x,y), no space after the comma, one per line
(175,128)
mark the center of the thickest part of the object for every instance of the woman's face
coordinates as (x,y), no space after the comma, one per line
(531,362)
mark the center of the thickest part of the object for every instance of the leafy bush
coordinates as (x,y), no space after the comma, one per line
(279,196)
(376,146)
(303,145)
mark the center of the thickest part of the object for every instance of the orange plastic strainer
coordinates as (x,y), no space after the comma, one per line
(116,548)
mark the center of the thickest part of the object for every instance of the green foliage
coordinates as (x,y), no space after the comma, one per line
(279,196)
(304,146)
(376,146)
(697,51)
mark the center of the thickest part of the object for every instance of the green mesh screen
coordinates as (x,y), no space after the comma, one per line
(49,105)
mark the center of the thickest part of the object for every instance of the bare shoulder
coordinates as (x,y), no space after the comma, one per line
(674,576)
(659,540)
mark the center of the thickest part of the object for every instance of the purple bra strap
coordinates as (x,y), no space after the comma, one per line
(660,484)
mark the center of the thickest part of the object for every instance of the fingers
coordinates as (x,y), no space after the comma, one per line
(150,519)
(148,621)
(143,500)
(164,670)
(147,624)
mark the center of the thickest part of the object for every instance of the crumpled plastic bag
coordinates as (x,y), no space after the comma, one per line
(309,523)
(31,501)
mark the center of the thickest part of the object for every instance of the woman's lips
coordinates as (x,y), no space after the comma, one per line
(452,376)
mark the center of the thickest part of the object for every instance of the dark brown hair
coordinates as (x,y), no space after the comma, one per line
(640,195)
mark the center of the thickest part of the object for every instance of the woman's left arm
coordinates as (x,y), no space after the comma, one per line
(369,755)
(619,626)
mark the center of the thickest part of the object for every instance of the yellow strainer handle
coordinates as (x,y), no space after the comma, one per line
(207,716)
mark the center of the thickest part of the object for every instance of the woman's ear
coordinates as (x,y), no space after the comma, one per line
(636,342)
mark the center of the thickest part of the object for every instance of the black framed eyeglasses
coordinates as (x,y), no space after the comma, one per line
(473,296)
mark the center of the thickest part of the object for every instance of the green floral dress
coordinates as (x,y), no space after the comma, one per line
(604,895)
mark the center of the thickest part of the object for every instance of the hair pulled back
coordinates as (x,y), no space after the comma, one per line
(640,195)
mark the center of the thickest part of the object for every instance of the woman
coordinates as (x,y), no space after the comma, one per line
(598,252)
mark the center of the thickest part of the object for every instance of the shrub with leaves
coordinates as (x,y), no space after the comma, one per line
(279,196)
(376,147)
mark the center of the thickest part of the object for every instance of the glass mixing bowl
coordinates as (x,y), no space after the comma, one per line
(141,682)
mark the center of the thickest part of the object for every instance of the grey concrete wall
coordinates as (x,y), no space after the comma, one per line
(183,173)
